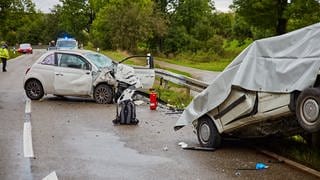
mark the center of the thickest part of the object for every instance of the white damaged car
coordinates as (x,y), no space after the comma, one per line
(271,88)
(84,73)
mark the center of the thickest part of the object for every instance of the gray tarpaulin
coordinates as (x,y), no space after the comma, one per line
(278,64)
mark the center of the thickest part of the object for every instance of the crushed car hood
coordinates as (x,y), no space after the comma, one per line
(123,73)
(280,64)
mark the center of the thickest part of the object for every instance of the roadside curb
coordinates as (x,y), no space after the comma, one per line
(290,162)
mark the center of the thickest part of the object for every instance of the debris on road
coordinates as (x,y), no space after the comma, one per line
(183,144)
(138,102)
(186,147)
(259,166)
(165,148)
(174,112)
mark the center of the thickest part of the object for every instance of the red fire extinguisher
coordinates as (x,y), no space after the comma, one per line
(153,100)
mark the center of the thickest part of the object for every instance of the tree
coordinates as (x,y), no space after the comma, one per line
(14,14)
(276,15)
(264,14)
(123,24)
(190,26)
(74,18)
(302,13)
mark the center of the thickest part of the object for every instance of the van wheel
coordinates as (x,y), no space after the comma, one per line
(103,94)
(207,133)
(34,89)
(307,110)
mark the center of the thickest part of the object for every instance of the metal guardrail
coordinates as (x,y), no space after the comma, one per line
(192,84)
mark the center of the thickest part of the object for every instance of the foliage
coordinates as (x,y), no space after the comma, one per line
(271,12)
(302,13)
(191,30)
(74,18)
(126,24)
(269,17)
(174,95)
(295,148)
(191,27)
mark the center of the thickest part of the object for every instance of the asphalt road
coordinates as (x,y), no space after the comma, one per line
(76,139)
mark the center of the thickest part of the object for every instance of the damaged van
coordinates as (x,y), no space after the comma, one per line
(271,88)
(84,73)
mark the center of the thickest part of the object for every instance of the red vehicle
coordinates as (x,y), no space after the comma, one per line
(25,48)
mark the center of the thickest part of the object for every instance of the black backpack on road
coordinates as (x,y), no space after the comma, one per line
(127,113)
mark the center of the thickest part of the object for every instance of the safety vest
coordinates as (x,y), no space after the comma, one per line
(4,53)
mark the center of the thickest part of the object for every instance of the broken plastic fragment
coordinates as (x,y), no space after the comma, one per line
(261,166)
(138,102)
(165,148)
(183,144)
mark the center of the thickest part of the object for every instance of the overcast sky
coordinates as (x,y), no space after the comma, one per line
(46,5)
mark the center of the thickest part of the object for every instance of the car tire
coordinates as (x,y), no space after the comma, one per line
(208,135)
(308,109)
(103,94)
(34,89)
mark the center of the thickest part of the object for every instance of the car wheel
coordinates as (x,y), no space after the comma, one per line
(34,89)
(207,133)
(103,94)
(307,110)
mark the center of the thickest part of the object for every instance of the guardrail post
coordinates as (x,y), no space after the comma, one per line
(165,84)
(188,91)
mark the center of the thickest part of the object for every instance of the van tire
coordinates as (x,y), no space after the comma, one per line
(207,133)
(308,109)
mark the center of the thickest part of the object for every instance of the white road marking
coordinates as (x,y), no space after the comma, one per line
(28,106)
(27,140)
(27,135)
(51,176)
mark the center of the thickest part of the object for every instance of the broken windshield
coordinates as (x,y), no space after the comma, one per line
(99,60)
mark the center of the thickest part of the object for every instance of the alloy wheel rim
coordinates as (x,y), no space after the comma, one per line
(33,89)
(102,95)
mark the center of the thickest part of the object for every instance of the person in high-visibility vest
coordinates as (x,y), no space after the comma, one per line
(4,55)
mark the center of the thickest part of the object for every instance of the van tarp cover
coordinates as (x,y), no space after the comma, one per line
(278,64)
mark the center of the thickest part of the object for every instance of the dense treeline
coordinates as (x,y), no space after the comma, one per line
(167,27)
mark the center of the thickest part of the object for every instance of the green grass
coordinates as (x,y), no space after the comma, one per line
(218,65)
(115,55)
(176,99)
(297,149)
(174,71)
(210,66)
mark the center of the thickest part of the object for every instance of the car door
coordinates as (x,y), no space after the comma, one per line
(146,77)
(145,74)
(73,75)
(45,72)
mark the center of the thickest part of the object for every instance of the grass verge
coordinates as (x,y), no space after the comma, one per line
(297,149)
(173,94)
(209,66)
